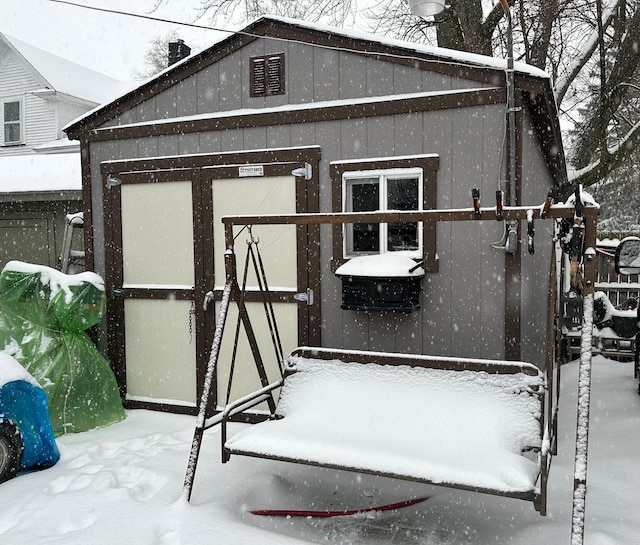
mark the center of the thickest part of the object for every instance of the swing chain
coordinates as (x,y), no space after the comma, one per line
(192,312)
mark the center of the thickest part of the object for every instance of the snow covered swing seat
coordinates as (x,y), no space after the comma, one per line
(464,423)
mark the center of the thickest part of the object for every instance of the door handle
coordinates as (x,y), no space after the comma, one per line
(208,298)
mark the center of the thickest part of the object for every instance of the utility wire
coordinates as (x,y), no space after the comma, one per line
(266,37)
(140,16)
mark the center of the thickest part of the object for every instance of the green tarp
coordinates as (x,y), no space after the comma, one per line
(43,317)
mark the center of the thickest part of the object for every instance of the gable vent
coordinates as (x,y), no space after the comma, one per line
(267,75)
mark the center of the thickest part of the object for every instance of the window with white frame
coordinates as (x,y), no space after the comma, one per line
(12,121)
(391,189)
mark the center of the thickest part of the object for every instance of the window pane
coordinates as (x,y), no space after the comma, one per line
(364,196)
(12,132)
(11,111)
(402,194)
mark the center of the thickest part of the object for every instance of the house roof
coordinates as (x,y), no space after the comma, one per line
(68,77)
(539,97)
(463,64)
(40,173)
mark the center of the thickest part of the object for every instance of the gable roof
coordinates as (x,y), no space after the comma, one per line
(534,83)
(462,64)
(67,77)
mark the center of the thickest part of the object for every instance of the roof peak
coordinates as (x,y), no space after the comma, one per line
(65,76)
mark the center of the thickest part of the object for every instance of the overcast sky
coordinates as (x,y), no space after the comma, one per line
(112,44)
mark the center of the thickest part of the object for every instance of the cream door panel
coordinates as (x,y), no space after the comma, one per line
(157,254)
(251,196)
(160,352)
(278,247)
(246,378)
(157,234)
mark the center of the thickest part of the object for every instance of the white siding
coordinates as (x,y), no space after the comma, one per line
(44,118)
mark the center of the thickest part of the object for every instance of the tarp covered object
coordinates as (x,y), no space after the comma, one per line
(23,402)
(43,317)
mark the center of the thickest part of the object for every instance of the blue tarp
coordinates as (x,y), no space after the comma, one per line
(26,406)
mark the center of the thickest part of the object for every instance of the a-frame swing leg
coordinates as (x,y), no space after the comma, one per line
(206,392)
(231,289)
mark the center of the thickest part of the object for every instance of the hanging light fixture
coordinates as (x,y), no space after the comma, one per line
(426,8)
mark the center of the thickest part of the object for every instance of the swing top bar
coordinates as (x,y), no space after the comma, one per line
(407,216)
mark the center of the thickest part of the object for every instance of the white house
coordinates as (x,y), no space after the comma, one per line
(40,175)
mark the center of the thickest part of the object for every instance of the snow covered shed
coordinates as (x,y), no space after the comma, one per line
(287,117)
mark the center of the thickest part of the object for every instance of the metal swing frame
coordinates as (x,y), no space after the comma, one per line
(584,219)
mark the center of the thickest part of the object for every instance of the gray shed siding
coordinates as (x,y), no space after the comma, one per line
(463,304)
(313,75)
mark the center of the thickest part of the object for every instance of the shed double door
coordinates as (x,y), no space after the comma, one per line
(166,249)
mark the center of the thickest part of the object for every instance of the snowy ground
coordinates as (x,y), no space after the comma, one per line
(122,484)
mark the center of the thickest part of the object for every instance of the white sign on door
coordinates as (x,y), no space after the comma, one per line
(250,170)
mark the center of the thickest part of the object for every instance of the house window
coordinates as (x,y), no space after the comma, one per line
(391,183)
(12,119)
(267,75)
(384,190)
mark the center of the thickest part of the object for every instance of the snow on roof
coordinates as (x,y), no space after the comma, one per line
(40,173)
(59,145)
(68,77)
(457,57)
(442,55)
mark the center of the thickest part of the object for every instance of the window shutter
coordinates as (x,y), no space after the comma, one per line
(275,73)
(258,79)
(267,75)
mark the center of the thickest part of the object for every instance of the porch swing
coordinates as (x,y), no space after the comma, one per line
(481,425)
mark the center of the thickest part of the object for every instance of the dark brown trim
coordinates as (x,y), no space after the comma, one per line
(149,405)
(419,360)
(143,167)
(158,294)
(314,330)
(539,105)
(87,204)
(429,165)
(113,278)
(277,296)
(358,108)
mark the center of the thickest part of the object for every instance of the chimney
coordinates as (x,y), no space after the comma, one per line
(178,50)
